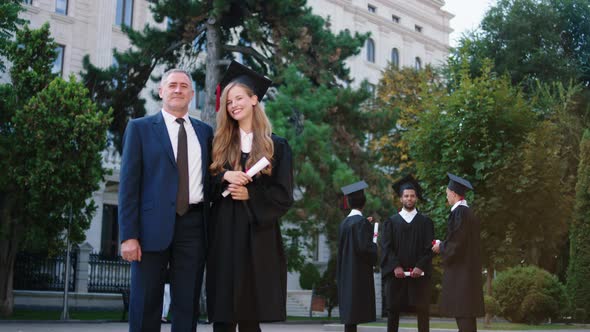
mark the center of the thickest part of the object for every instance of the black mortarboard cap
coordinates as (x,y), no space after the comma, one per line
(408,182)
(355,192)
(352,188)
(458,184)
(237,72)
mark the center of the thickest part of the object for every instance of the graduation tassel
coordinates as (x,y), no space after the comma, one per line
(344,203)
(217,98)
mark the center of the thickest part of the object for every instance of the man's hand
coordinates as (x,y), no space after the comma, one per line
(436,248)
(399,272)
(131,250)
(370,219)
(237,177)
(416,273)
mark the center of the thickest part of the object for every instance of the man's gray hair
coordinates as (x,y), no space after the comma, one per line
(172,71)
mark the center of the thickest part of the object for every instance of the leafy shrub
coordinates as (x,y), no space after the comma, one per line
(492,306)
(309,276)
(529,295)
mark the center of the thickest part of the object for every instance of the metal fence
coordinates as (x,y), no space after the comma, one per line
(39,272)
(108,275)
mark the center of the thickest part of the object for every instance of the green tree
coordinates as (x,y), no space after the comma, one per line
(9,22)
(579,264)
(51,148)
(323,126)
(268,35)
(473,131)
(399,98)
(516,35)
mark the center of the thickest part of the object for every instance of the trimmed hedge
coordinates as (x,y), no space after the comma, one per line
(529,295)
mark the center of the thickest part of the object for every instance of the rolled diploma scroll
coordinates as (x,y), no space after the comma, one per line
(407,273)
(259,166)
(375,232)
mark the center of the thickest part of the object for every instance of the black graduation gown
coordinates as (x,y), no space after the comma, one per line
(407,245)
(356,256)
(246,266)
(462,287)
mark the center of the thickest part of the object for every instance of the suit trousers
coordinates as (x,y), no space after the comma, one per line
(350,328)
(466,324)
(186,260)
(231,327)
(422,316)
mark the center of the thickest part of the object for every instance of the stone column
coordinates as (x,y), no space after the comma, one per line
(83,268)
(378,294)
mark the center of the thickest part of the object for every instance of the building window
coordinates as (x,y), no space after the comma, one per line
(395,18)
(28,2)
(370,50)
(418,28)
(124,13)
(372,9)
(58,64)
(395,57)
(418,63)
(61,7)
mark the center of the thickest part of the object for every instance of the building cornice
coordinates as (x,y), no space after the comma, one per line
(388,26)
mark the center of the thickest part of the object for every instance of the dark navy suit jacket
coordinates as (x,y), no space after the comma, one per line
(149,181)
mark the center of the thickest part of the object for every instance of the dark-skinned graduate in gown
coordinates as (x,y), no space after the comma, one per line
(462,290)
(357,254)
(246,266)
(406,258)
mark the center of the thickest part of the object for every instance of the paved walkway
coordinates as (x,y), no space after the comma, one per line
(56,326)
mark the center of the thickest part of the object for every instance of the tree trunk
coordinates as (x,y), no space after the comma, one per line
(488,318)
(8,248)
(212,76)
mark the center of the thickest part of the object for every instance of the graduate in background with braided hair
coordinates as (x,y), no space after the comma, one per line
(357,254)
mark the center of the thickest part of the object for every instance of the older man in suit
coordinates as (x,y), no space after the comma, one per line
(163,204)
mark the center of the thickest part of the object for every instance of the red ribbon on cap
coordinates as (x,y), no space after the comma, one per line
(217,98)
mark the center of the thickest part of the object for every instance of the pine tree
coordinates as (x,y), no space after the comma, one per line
(268,35)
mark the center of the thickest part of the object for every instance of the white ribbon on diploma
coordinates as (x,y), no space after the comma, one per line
(259,166)
(375,232)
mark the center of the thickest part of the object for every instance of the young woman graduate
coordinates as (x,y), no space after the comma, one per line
(246,266)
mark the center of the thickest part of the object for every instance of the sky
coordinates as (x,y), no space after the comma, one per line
(468,15)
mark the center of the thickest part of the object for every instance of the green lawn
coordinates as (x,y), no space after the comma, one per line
(116,316)
(56,314)
(495,326)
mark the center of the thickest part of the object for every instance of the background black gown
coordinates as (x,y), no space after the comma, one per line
(356,256)
(246,266)
(462,284)
(407,245)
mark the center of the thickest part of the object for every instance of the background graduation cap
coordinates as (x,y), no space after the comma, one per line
(353,191)
(236,72)
(458,184)
(408,182)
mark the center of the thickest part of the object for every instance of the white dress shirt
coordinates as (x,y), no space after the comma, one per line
(408,216)
(195,175)
(355,212)
(461,202)
(246,140)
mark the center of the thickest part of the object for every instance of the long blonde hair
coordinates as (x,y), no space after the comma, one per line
(227,140)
